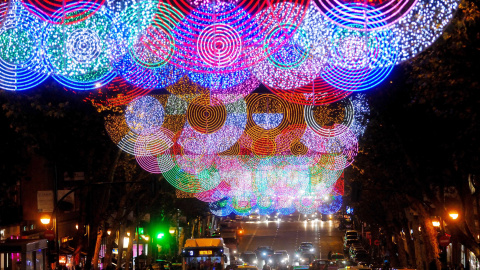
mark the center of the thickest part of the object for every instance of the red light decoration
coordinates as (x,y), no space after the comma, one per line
(55,11)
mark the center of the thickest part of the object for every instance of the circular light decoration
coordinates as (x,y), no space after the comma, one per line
(422,26)
(222,37)
(295,50)
(306,204)
(149,145)
(125,138)
(78,53)
(144,115)
(216,126)
(63,11)
(359,60)
(331,205)
(317,92)
(266,204)
(330,120)
(374,14)
(243,202)
(142,44)
(117,93)
(272,124)
(221,208)
(22,60)
(205,180)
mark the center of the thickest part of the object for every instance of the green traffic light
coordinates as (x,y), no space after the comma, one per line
(160,236)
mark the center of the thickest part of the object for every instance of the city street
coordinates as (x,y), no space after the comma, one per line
(288,235)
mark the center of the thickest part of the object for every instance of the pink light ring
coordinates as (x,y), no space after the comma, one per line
(306,205)
(149,164)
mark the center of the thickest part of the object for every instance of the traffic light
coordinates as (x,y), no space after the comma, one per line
(160,235)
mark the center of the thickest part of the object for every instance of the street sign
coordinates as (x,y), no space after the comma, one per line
(444,240)
(49,235)
(376,242)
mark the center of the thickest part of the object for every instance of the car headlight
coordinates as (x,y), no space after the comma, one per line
(312,249)
(296,255)
(234,251)
(255,261)
(270,261)
(264,253)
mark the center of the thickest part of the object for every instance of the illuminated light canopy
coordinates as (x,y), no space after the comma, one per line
(142,54)
(295,50)
(116,93)
(368,13)
(22,59)
(359,59)
(78,53)
(63,11)
(417,30)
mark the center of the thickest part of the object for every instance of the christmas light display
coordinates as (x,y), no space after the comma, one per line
(221,207)
(359,60)
(422,26)
(330,205)
(77,53)
(116,93)
(367,13)
(295,50)
(142,44)
(63,11)
(22,59)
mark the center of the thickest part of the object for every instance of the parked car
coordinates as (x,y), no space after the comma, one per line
(337,257)
(348,243)
(351,233)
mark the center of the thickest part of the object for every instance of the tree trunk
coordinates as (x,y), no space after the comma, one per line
(98,245)
(121,235)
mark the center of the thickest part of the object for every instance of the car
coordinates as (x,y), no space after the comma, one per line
(348,243)
(351,233)
(337,257)
(249,257)
(280,257)
(264,252)
(322,264)
(306,248)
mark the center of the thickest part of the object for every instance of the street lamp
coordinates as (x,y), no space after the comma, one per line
(453,214)
(45,220)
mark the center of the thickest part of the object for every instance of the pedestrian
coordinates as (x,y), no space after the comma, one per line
(330,255)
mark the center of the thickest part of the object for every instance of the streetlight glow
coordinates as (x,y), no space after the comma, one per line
(453,215)
(45,220)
